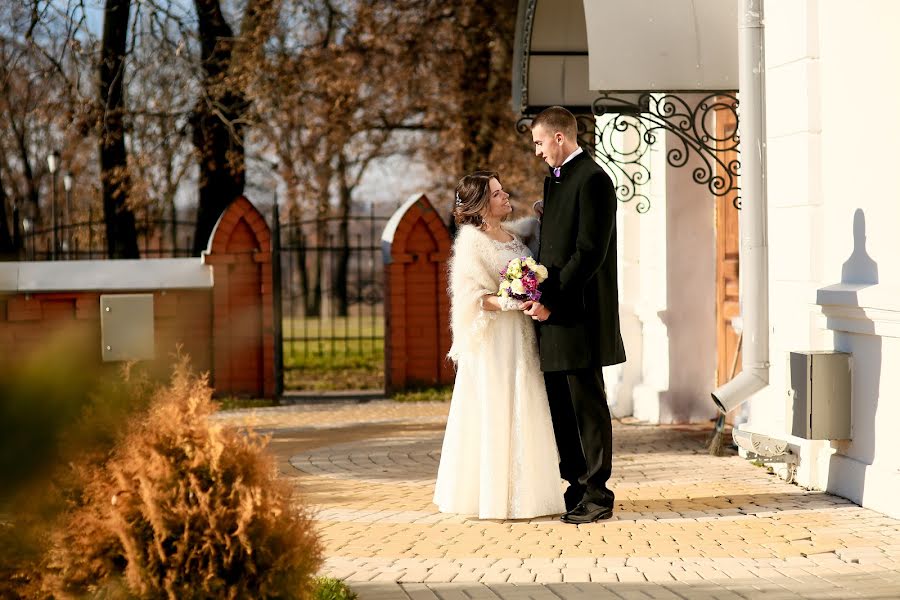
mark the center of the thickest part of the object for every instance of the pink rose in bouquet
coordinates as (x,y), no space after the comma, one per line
(520,279)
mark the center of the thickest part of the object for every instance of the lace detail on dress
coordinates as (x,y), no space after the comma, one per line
(515,244)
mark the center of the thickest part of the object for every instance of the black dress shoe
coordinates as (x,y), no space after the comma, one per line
(587,512)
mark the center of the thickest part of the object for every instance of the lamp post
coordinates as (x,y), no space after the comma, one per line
(53,165)
(67,184)
(26,227)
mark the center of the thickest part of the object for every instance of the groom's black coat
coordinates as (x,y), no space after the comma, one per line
(578,247)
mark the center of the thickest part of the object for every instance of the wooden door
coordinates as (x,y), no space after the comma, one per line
(727,262)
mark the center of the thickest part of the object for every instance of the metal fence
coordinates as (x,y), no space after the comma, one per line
(332,299)
(328,283)
(86,240)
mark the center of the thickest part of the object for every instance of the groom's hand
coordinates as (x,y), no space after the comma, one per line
(536,311)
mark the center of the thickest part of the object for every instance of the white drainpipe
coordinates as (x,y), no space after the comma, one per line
(754,265)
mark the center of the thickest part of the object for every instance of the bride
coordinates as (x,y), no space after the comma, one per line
(499,458)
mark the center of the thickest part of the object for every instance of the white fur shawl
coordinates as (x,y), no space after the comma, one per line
(473,274)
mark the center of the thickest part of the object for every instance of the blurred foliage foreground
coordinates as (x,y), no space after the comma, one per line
(115,484)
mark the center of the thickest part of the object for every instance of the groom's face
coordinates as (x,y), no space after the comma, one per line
(548,145)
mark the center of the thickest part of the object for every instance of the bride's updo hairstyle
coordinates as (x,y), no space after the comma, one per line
(473,194)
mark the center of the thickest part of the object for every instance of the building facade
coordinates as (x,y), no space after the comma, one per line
(832,274)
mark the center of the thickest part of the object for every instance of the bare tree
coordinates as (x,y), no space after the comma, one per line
(160,101)
(8,247)
(472,107)
(335,92)
(37,105)
(219,119)
(121,233)
(321,89)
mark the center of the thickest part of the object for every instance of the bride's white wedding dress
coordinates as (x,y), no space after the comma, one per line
(499,457)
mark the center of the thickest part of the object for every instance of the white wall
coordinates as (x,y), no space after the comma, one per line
(673,295)
(834,211)
(691,299)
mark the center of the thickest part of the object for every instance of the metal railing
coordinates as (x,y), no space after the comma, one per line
(86,240)
(331,292)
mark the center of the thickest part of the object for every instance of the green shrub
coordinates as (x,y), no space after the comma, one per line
(328,588)
(438,394)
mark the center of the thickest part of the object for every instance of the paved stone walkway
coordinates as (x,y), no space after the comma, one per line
(687,525)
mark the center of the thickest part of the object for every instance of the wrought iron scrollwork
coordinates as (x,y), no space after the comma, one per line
(622,140)
(623,163)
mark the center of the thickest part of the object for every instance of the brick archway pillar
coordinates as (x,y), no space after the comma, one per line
(243,348)
(415,248)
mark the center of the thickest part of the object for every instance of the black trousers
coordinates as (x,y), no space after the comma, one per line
(583,429)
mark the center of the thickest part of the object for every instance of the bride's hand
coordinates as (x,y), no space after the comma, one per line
(509,304)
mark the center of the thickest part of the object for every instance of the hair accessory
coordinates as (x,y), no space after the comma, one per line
(458,200)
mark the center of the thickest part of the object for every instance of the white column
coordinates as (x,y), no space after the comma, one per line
(650,303)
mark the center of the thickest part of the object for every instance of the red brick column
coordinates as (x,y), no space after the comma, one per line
(243,331)
(416,248)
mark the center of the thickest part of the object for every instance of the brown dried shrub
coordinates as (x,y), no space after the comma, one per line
(185,508)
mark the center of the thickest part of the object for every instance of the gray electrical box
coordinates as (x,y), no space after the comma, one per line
(819,395)
(126,327)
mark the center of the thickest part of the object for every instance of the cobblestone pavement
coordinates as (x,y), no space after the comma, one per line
(687,525)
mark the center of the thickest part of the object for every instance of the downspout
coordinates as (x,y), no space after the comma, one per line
(754,258)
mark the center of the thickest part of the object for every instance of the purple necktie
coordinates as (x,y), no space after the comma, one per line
(556,172)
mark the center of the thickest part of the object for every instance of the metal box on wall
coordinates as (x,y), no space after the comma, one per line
(819,389)
(126,327)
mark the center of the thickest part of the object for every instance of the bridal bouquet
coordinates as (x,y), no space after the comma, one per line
(520,279)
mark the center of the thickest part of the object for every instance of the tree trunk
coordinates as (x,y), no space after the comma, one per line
(7,247)
(313,285)
(218,132)
(474,84)
(121,234)
(31,183)
(314,291)
(342,268)
(173,229)
(297,245)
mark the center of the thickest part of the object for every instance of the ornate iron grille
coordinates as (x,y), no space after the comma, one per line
(691,124)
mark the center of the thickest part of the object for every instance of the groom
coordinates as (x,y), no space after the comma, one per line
(578,313)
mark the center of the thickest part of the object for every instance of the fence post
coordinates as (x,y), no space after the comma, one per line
(240,252)
(416,248)
(276,299)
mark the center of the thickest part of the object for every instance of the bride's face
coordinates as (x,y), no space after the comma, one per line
(498,204)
